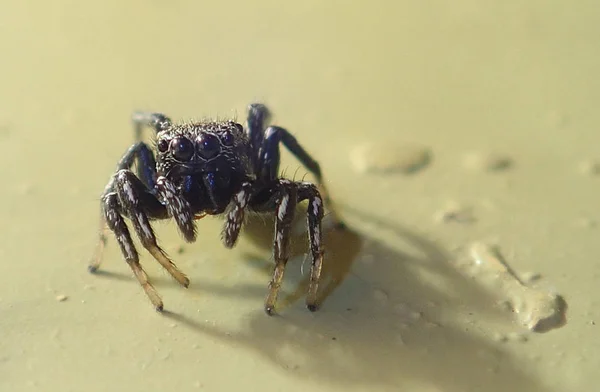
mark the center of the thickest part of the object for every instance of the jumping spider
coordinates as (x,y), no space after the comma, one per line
(210,168)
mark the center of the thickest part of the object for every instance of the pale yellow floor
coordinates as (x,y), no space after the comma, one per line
(515,78)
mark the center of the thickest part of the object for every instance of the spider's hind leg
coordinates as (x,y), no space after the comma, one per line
(258,115)
(146,163)
(117,224)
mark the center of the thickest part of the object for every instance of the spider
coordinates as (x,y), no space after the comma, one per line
(210,168)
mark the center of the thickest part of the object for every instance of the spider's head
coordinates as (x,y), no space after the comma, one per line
(190,149)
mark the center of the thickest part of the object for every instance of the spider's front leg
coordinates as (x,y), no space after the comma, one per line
(116,223)
(146,172)
(146,168)
(128,196)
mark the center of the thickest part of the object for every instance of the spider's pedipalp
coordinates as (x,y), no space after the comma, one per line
(235,217)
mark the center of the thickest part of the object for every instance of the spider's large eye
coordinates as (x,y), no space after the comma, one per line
(182,148)
(208,146)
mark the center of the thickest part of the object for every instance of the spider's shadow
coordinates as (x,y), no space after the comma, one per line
(358,338)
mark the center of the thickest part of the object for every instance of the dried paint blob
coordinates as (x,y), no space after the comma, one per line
(61,298)
(540,311)
(389,157)
(557,119)
(586,223)
(487,161)
(536,309)
(589,168)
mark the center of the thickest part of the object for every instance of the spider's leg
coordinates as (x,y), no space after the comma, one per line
(309,191)
(156,121)
(258,115)
(117,224)
(146,164)
(138,204)
(235,216)
(146,167)
(270,158)
(146,170)
(286,206)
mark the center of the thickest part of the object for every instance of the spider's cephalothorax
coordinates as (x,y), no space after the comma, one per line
(207,162)
(210,167)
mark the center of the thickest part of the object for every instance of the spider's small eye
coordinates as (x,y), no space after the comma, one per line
(208,146)
(162,145)
(182,148)
(227,138)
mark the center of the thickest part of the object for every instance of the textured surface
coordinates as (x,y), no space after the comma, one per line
(518,79)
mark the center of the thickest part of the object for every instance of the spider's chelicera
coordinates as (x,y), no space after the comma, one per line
(210,167)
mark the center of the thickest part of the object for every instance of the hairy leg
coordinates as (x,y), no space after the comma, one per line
(138,205)
(117,224)
(284,215)
(258,115)
(142,153)
(269,161)
(314,217)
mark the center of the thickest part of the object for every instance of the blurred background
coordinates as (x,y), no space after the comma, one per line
(437,124)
